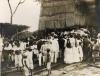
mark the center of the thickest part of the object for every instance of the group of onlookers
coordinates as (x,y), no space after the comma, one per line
(67,47)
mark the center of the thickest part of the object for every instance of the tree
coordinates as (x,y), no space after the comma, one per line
(12,13)
(22,35)
(8,30)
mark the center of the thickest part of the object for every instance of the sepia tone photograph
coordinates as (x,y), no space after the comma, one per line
(49,37)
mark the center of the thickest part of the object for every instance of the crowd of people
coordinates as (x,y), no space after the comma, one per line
(67,47)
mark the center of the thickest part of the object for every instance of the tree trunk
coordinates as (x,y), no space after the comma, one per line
(11,19)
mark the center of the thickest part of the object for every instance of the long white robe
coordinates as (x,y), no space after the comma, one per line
(76,55)
(68,55)
(72,41)
(75,50)
(55,50)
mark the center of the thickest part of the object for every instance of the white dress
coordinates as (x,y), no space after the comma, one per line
(29,56)
(76,51)
(68,56)
(72,41)
(76,55)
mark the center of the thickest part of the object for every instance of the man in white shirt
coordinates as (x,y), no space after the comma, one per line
(55,49)
(1,47)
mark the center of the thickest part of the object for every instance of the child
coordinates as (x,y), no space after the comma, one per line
(48,62)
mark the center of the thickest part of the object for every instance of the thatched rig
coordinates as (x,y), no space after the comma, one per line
(65,14)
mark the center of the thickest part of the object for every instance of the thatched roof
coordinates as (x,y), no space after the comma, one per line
(65,13)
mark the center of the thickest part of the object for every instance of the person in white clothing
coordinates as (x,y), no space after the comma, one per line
(1,48)
(9,48)
(35,54)
(25,63)
(68,53)
(74,49)
(6,55)
(30,60)
(44,52)
(18,58)
(55,50)
(22,46)
(40,58)
(80,52)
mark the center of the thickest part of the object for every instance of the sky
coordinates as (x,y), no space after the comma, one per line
(27,14)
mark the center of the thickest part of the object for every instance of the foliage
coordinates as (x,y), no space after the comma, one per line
(22,35)
(8,30)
